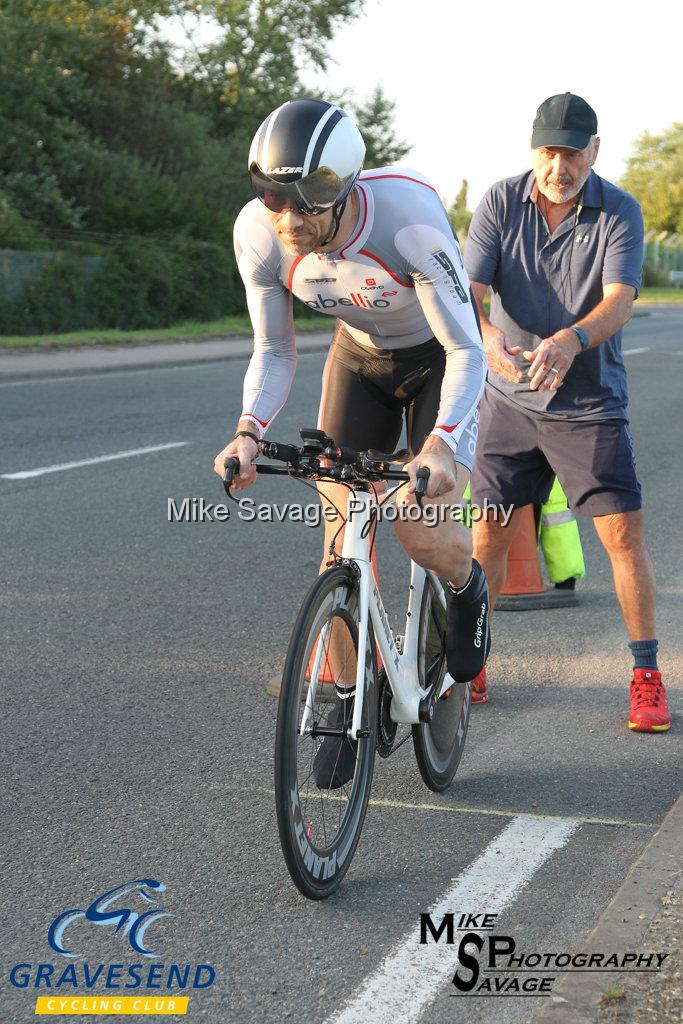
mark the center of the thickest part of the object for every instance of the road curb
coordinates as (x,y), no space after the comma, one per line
(623,925)
(20,366)
(32,364)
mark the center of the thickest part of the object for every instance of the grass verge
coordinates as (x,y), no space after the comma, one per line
(661,295)
(225,328)
(189,331)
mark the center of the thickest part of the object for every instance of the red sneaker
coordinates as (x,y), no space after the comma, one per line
(649,711)
(480,694)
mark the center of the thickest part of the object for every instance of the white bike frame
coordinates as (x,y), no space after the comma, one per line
(400,665)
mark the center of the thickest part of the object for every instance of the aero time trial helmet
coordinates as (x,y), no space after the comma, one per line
(306,155)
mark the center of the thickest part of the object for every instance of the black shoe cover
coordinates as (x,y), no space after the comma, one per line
(468,634)
(335,760)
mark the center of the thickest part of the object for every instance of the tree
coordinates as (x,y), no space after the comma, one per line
(654,175)
(458,214)
(375,120)
(113,144)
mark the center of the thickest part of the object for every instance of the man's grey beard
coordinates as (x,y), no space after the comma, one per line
(555,196)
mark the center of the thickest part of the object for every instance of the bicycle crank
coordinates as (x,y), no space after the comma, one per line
(386,726)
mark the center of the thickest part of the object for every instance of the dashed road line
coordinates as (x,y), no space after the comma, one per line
(493,812)
(634,351)
(407,980)
(501,813)
(26,474)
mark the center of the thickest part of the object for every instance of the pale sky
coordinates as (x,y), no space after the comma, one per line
(467,77)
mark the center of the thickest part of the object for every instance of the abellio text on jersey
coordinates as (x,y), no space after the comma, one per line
(356,299)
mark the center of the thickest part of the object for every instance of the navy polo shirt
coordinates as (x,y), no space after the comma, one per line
(541,283)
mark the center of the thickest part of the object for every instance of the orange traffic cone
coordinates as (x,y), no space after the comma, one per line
(524,588)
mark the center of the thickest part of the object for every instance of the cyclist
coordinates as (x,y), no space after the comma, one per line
(375,250)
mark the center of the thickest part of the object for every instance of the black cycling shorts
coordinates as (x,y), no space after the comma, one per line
(366,393)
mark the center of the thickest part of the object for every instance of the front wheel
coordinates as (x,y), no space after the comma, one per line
(319,825)
(439,744)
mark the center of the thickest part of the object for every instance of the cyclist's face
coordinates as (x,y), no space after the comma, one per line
(560,172)
(301,233)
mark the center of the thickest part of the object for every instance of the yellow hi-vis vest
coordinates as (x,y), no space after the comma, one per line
(559,537)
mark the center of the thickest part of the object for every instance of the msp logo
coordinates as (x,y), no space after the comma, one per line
(123,920)
(488,962)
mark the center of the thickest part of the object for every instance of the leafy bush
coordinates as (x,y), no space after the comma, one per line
(145,282)
(56,302)
(16,232)
(153,283)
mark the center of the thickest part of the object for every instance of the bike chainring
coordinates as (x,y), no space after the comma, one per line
(386,726)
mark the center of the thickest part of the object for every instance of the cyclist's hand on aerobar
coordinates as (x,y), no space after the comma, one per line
(246,451)
(437,457)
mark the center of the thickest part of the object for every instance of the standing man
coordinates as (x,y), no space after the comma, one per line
(562,251)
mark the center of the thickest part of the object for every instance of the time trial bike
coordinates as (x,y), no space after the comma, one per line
(342,638)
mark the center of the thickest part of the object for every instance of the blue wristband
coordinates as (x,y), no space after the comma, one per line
(582,336)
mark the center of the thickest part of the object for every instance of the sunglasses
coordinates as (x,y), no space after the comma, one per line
(312,195)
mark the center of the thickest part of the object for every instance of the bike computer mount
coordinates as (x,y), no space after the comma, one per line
(315,441)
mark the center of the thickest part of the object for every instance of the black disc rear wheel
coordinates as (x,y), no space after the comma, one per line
(439,744)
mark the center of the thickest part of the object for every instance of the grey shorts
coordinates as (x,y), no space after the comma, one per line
(518,455)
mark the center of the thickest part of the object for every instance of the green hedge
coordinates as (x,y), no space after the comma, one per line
(146,282)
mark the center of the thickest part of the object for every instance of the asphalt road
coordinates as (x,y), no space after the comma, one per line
(137,735)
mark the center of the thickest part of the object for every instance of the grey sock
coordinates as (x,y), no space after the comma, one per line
(644,653)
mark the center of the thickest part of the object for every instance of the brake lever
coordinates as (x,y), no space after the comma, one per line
(421,487)
(232,466)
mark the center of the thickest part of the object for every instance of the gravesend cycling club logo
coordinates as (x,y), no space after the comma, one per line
(488,963)
(130,914)
(126,921)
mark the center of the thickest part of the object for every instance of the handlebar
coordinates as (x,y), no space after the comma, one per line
(319,458)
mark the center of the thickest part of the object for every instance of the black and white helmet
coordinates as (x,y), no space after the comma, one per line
(307,155)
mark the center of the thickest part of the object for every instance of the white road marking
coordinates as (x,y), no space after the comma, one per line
(634,351)
(25,474)
(408,978)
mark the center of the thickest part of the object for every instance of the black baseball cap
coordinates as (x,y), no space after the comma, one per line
(564,120)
